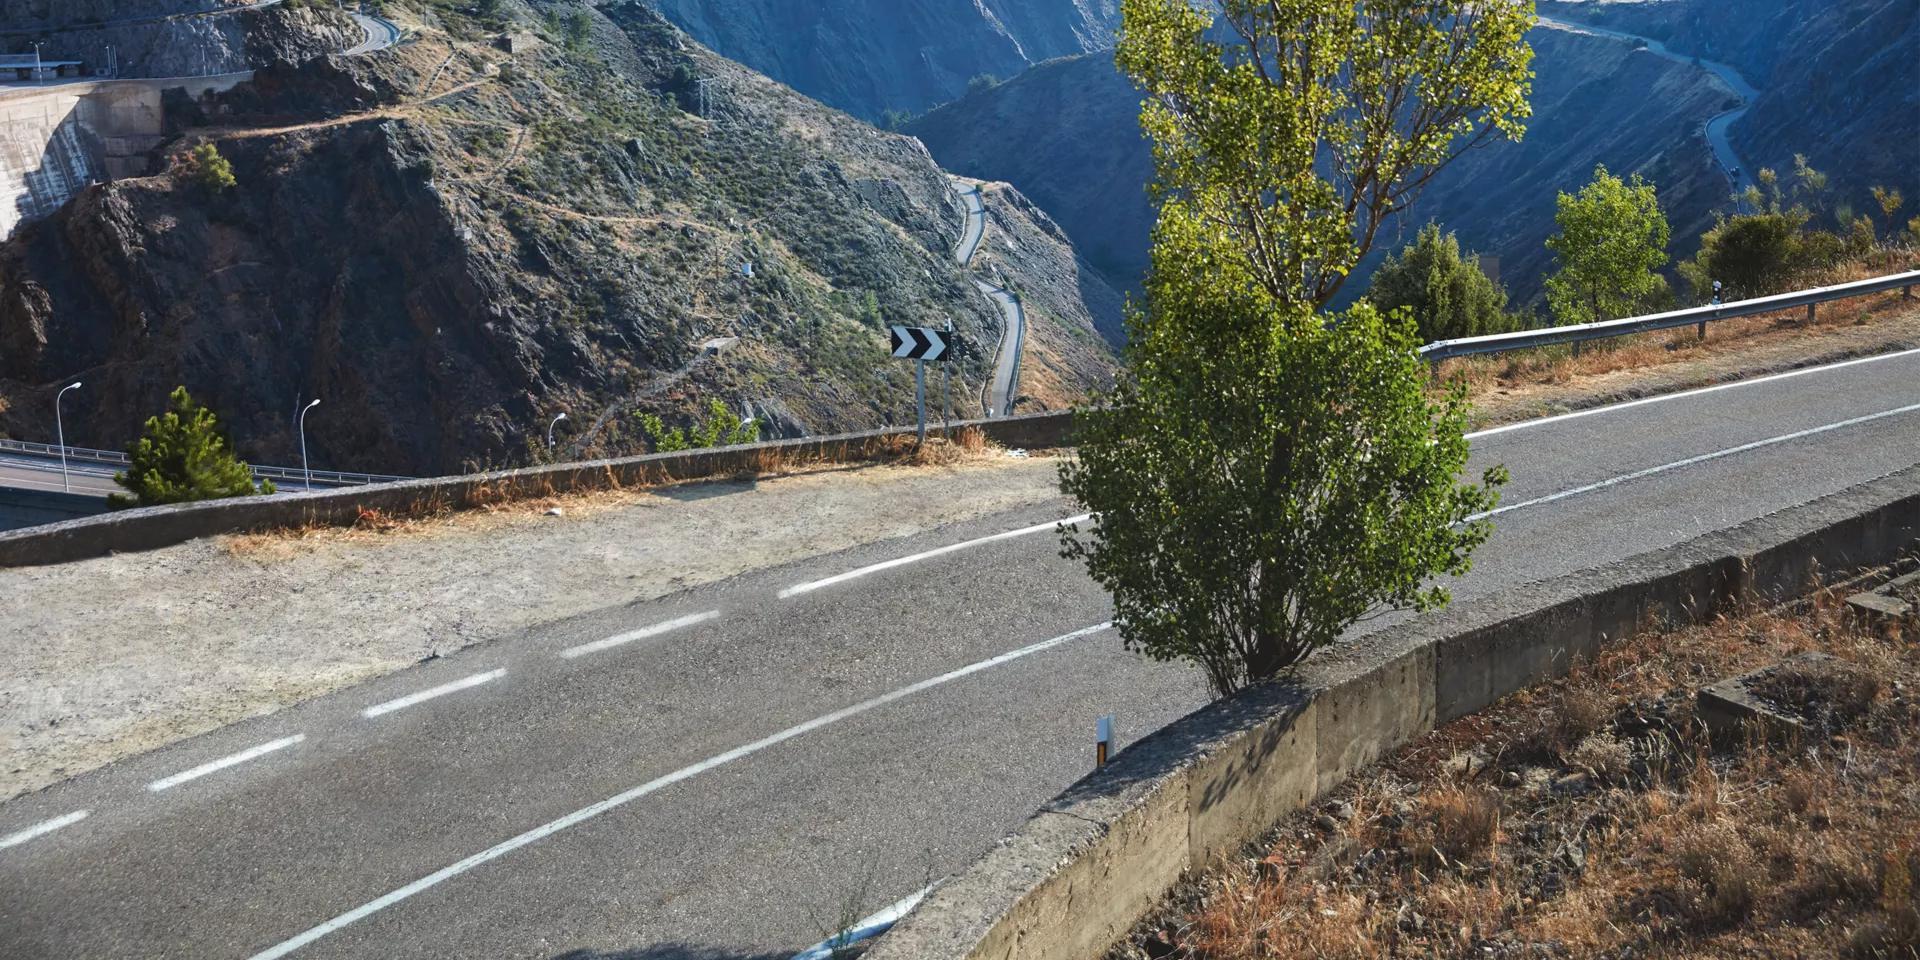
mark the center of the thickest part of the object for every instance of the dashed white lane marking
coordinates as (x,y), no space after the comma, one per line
(640,634)
(588,813)
(1524,424)
(1690,461)
(225,762)
(439,691)
(800,588)
(42,828)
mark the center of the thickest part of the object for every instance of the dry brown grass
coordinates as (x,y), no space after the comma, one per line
(1603,823)
(1523,372)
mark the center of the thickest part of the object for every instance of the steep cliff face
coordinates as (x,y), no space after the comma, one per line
(1066,134)
(560,230)
(869,56)
(1838,80)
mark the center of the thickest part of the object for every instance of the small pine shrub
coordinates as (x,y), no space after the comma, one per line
(183,456)
(211,170)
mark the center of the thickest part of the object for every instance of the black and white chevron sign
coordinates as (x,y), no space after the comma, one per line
(920,343)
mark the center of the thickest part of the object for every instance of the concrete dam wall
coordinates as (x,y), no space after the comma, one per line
(58,139)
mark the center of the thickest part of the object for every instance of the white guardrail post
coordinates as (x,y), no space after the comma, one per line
(1581,332)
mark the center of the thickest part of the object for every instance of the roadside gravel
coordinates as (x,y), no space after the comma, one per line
(111,657)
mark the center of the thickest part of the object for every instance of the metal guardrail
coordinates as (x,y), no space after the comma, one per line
(1550,336)
(332,478)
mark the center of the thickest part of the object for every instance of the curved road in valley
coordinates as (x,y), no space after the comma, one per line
(1013,336)
(1737,171)
(708,774)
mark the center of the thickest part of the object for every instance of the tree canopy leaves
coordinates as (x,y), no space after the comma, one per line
(1612,238)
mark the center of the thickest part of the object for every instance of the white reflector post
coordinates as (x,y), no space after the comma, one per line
(1103,740)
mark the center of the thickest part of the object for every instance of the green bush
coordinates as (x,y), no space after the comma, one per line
(183,456)
(211,170)
(1446,293)
(1754,255)
(982,82)
(722,429)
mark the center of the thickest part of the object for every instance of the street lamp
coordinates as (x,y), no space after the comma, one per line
(303,443)
(39,72)
(61,429)
(550,425)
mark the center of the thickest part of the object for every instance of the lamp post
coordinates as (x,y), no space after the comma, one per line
(61,430)
(303,443)
(550,425)
(39,72)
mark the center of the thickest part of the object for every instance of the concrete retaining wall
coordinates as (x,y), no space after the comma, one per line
(1087,867)
(149,528)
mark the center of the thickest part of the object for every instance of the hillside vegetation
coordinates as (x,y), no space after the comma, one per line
(450,244)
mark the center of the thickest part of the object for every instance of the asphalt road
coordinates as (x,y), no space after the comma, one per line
(716,790)
(1719,123)
(1006,371)
(39,473)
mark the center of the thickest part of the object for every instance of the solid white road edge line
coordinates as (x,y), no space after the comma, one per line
(640,634)
(225,762)
(872,926)
(42,828)
(684,773)
(800,588)
(1522,425)
(1690,461)
(439,691)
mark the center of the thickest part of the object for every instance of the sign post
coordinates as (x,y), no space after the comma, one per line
(921,344)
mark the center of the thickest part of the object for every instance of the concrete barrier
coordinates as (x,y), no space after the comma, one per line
(149,528)
(1090,864)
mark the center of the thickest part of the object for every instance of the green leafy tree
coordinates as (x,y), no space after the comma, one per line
(183,455)
(722,429)
(1612,238)
(1312,123)
(1267,475)
(1754,255)
(209,169)
(1446,293)
(1810,185)
(982,82)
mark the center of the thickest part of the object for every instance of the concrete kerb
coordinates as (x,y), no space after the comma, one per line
(149,528)
(1089,865)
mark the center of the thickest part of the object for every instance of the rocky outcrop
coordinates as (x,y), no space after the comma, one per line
(869,56)
(181,44)
(562,232)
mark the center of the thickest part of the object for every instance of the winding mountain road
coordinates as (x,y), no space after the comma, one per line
(1739,174)
(1013,336)
(710,774)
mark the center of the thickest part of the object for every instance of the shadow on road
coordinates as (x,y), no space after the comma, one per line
(671,951)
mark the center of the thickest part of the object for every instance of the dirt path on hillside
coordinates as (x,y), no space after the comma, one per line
(111,657)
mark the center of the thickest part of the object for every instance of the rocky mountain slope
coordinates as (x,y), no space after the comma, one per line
(1065,134)
(449,245)
(1839,80)
(172,38)
(871,56)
